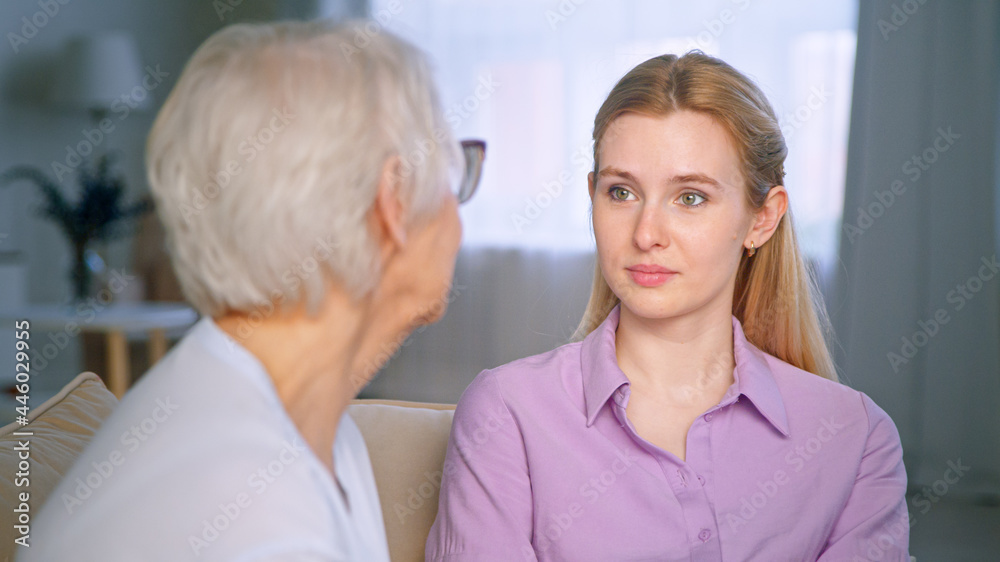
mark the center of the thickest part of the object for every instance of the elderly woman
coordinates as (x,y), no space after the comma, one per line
(306,190)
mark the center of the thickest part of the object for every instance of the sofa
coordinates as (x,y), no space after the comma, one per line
(406,442)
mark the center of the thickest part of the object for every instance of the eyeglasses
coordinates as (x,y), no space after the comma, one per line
(474,152)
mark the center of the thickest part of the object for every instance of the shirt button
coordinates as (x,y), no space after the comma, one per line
(708,417)
(704,535)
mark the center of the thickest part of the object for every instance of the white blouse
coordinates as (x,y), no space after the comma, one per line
(200,461)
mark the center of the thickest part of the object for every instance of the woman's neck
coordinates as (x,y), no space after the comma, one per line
(684,360)
(317,363)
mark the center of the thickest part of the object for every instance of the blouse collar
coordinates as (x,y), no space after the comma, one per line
(752,376)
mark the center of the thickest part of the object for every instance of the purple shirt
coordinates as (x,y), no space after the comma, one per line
(544,464)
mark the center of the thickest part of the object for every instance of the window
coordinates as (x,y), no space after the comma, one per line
(529,76)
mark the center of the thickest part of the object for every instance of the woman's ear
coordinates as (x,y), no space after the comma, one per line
(388,213)
(767,218)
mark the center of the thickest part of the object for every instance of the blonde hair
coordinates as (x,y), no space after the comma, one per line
(266,156)
(776,299)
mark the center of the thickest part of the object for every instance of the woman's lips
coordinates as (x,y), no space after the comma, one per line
(650,275)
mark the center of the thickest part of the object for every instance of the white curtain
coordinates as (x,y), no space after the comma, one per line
(916,301)
(529,76)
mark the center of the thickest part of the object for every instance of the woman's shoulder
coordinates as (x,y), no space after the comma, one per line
(810,396)
(536,369)
(526,382)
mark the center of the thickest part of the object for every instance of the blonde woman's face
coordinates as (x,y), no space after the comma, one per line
(670,215)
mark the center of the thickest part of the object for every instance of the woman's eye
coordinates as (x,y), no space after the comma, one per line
(692,199)
(619,193)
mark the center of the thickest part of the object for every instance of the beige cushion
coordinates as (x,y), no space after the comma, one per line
(406,442)
(62,426)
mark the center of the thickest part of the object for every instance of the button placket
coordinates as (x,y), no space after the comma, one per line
(696,503)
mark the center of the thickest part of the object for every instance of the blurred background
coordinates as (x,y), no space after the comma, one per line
(891,111)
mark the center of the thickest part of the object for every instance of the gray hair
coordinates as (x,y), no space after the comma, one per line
(265,159)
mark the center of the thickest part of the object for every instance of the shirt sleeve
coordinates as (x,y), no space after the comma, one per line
(485,505)
(875,523)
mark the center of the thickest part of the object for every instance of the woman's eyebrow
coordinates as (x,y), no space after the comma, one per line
(696,178)
(616,172)
(683,178)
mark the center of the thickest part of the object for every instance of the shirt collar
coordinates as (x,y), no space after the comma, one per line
(216,342)
(755,380)
(599,366)
(753,376)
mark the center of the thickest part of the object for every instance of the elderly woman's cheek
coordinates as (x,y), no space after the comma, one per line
(433,264)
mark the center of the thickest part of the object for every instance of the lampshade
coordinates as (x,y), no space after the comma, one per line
(96,70)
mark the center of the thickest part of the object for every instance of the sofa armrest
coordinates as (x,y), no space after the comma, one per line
(61,428)
(406,443)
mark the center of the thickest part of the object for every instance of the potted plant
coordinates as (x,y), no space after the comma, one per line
(99,213)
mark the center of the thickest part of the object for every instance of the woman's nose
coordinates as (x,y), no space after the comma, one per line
(650,228)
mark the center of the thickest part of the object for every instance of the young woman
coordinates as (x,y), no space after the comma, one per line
(699,418)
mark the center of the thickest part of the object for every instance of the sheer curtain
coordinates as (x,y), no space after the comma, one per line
(916,301)
(528,77)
